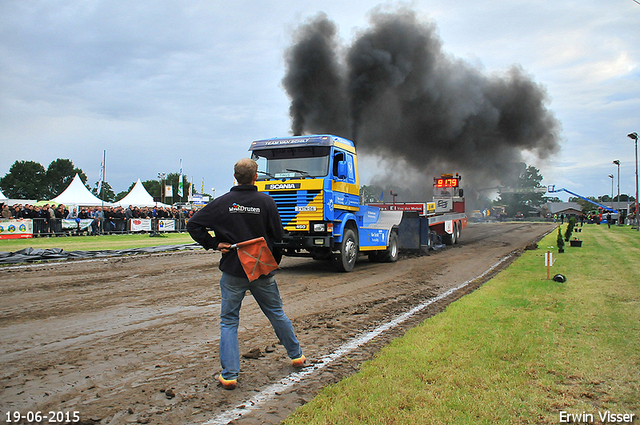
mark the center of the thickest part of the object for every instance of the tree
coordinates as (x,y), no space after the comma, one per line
(124,193)
(121,195)
(153,187)
(25,180)
(59,174)
(370,194)
(106,192)
(527,193)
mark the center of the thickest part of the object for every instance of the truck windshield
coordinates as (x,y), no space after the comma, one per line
(288,163)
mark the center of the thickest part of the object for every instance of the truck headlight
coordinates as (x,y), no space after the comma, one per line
(319,227)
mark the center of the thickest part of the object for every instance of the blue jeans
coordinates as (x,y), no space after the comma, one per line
(265,292)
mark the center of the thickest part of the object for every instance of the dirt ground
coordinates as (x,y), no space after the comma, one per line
(135,339)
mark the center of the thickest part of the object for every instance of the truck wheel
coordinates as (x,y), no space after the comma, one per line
(457,232)
(450,239)
(391,254)
(346,258)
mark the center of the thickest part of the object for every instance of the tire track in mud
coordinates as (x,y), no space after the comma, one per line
(350,346)
(121,371)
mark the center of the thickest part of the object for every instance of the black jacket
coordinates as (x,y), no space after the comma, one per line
(240,215)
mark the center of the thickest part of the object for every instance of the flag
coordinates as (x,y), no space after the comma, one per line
(180,192)
(255,257)
(381,195)
(99,181)
(100,178)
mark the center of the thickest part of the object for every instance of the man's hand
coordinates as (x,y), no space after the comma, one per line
(224,247)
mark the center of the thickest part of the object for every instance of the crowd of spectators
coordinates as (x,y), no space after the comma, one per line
(47,219)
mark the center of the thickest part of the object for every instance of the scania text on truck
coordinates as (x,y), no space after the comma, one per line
(314,181)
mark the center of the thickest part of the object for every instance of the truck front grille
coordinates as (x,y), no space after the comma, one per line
(288,200)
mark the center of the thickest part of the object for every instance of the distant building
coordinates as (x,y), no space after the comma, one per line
(566,208)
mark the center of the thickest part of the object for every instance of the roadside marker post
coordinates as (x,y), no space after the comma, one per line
(548,262)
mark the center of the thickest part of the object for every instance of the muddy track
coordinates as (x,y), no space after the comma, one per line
(134,339)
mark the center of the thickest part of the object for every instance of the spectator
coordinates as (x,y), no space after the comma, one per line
(26,211)
(45,216)
(73,214)
(96,224)
(37,221)
(6,212)
(118,217)
(58,215)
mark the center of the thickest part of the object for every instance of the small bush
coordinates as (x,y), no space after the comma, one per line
(569,231)
(559,240)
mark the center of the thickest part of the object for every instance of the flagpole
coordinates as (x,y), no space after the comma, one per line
(180,186)
(104,171)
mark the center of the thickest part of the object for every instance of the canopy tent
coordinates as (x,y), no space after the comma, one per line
(11,202)
(78,194)
(138,197)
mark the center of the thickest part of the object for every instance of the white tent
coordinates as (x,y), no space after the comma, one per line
(138,197)
(78,194)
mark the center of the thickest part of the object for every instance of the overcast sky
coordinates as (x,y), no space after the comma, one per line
(153,82)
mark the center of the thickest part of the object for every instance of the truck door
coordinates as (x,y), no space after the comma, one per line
(344,187)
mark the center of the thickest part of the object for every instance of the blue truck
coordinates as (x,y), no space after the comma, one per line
(314,181)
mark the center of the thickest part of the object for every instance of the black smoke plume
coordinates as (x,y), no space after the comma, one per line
(401,98)
(315,80)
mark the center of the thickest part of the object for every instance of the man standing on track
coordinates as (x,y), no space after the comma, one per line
(240,215)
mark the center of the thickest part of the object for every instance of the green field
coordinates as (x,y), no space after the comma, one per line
(95,243)
(520,350)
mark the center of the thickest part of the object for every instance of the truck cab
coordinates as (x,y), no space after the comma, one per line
(314,181)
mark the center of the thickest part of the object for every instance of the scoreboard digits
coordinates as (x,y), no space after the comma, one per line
(448,182)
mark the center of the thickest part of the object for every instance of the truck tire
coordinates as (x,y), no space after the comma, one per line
(391,254)
(457,232)
(346,258)
(450,239)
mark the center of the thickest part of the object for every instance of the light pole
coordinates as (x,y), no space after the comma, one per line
(611,177)
(617,162)
(634,136)
(162,176)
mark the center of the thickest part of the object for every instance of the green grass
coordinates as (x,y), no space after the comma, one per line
(519,350)
(95,243)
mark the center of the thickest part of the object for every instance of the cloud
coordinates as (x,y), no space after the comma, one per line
(201,79)
(398,95)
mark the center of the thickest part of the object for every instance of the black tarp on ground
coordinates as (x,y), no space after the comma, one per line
(29,255)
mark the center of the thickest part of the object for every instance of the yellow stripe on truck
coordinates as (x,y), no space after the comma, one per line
(350,188)
(310,212)
(372,248)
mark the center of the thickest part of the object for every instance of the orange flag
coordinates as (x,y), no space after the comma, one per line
(255,257)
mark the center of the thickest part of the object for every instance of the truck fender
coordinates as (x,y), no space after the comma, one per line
(338,228)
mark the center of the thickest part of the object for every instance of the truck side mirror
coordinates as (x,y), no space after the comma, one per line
(460,193)
(342,170)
